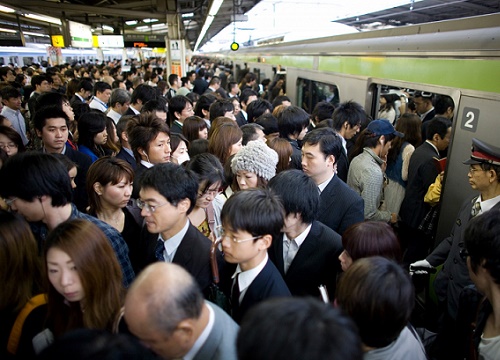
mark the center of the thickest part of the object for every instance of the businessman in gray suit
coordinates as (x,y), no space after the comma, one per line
(165,309)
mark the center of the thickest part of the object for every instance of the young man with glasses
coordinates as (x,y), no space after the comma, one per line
(251,220)
(167,195)
(484,176)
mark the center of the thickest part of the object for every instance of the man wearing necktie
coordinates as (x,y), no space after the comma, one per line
(484,174)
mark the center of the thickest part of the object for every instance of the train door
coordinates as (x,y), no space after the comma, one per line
(477,116)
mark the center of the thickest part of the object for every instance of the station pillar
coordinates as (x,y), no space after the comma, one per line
(176,46)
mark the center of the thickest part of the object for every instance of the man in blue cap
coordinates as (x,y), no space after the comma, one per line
(484,176)
(366,172)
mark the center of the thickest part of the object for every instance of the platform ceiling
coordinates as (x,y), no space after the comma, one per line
(115,13)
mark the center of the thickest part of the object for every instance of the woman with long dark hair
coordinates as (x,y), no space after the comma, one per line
(92,134)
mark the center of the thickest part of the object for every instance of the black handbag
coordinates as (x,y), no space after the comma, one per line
(215,294)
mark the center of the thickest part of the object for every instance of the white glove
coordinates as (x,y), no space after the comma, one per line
(417,267)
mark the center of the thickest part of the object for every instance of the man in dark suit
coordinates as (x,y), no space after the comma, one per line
(251,219)
(165,309)
(200,85)
(179,109)
(340,206)
(347,120)
(422,172)
(85,88)
(306,253)
(168,194)
(292,126)
(51,126)
(246,98)
(141,95)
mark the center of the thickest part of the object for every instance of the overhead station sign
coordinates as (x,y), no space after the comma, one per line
(140,40)
(109,41)
(81,35)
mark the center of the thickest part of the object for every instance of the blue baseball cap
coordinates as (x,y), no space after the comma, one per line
(383,127)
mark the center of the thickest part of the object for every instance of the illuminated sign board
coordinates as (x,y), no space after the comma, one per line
(110,41)
(81,35)
(139,40)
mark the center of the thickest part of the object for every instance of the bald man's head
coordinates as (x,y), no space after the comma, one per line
(162,307)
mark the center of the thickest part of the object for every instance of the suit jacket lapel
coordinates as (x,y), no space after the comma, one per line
(305,250)
(278,252)
(184,254)
(328,195)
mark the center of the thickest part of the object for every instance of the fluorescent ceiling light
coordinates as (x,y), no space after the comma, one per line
(7,30)
(106,27)
(214,9)
(142,28)
(44,18)
(131,22)
(6,9)
(149,20)
(187,15)
(158,25)
(34,34)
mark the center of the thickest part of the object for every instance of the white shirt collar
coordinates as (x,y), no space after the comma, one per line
(203,336)
(434,146)
(344,142)
(173,243)
(147,164)
(325,183)
(136,112)
(246,278)
(115,115)
(487,204)
(299,239)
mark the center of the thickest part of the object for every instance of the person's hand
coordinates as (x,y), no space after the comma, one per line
(441,176)
(394,218)
(421,267)
(384,164)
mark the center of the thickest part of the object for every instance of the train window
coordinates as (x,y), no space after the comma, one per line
(310,92)
(391,102)
(27,61)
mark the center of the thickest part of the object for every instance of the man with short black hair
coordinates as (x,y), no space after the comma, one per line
(347,121)
(298,329)
(179,109)
(173,80)
(186,86)
(40,84)
(292,125)
(306,252)
(158,107)
(102,93)
(252,132)
(167,195)
(340,206)
(46,204)
(84,90)
(422,172)
(141,95)
(11,99)
(247,96)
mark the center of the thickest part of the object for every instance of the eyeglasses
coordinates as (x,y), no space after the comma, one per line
(473,170)
(464,253)
(211,192)
(222,235)
(9,202)
(149,208)
(8,145)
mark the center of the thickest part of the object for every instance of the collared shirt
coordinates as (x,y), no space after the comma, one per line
(246,278)
(173,243)
(325,183)
(344,143)
(179,123)
(245,115)
(298,240)
(203,336)
(81,98)
(434,146)
(98,104)
(487,204)
(422,116)
(63,152)
(147,164)
(130,152)
(17,120)
(116,241)
(136,112)
(114,115)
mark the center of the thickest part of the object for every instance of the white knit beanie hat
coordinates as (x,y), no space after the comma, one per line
(256,157)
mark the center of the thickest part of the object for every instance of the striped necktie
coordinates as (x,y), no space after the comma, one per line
(476,209)
(160,247)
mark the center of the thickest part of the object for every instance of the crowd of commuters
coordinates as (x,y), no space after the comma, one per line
(117,186)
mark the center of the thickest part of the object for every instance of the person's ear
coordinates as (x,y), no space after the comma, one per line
(184,205)
(97,188)
(265,242)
